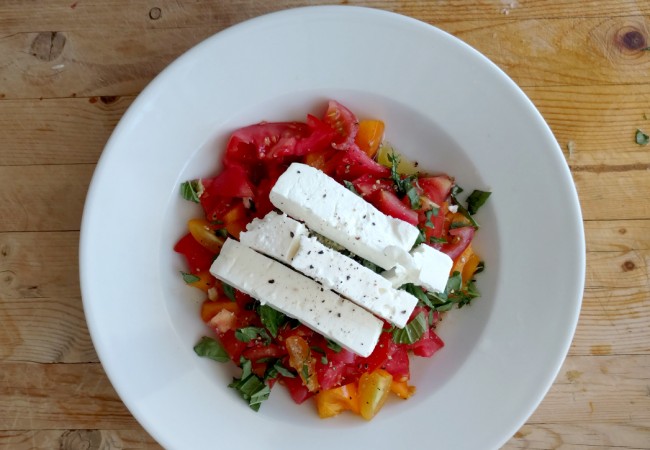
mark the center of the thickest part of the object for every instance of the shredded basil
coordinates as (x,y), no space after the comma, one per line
(351,187)
(421,237)
(413,330)
(455,190)
(252,389)
(333,346)
(189,277)
(417,292)
(271,318)
(480,267)
(402,185)
(414,198)
(210,348)
(430,213)
(476,199)
(229,291)
(192,190)
(438,240)
(247,334)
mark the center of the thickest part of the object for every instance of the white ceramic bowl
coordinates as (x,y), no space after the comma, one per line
(444,105)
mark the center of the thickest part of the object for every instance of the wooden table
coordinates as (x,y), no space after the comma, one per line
(68,71)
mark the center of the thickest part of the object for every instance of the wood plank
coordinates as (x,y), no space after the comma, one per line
(39,265)
(617,235)
(43,197)
(606,389)
(66,15)
(77,439)
(57,131)
(44,331)
(591,435)
(69,63)
(59,396)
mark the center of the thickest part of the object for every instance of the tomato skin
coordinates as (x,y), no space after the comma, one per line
(369,136)
(388,203)
(264,351)
(263,141)
(355,163)
(427,345)
(332,402)
(459,239)
(298,391)
(231,182)
(344,122)
(199,259)
(367,184)
(374,388)
(436,188)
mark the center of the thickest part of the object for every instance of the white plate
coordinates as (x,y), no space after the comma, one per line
(446,106)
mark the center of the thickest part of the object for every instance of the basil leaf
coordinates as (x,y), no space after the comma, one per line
(414,198)
(461,209)
(192,190)
(445,307)
(305,372)
(283,370)
(333,346)
(402,185)
(641,138)
(480,267)
(477,199)
(454,283)
(456,190)
(420,239)
(211,348)
(228,290)
(271,318)
(189,277)
(247,334)
(438,240)
(351,187)
(417,292)
(457,225)
(430,213)
(412,332)
(221,232)
(252,389)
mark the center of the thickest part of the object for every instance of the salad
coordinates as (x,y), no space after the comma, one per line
(326,259)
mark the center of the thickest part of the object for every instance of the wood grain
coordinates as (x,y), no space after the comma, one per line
(533,52)
(77,440)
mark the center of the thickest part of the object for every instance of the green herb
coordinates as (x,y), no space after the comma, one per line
(414,198)
(413,330)
(221,232)
(251,388)
(283,370)
(323,360)
(189,277)
(210,348)
(402,185)
(454,294)
(438,240)
(229,291)
(271,318)
(480,267)
(333,346)
(642,138)
(417,292)
(461,209)
(430,213)
(476,199)
(351,187)
(421,237)
(247,334)
(455,190)
(305,372)
(192,190)
(457,225)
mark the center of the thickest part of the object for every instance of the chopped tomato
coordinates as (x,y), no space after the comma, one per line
(199,259)
(427,345)
(205,281)
(466,264)
(209,309)
(233,346)
(264,141)
(298,391)
(332,402)
(344,122)
(321,135)
(205,234)
(367,184)
(436,188)
(388,203)
(235,220)
(300,358)
(355,163)
(402,389)
(459,239)
(369,136)
(264,351)
(373,391)
(231,182)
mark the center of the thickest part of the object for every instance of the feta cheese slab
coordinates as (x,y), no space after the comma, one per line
(354,281)
(428,268)
(297,296)
(307,194)
(276,235)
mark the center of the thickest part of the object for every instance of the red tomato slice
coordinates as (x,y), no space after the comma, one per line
(436,188)
(233,346)
(427,345)
(321,135)
(367,184)
(458,240)
(198,258)
(264,351)
(388,203)
(264,141)
(231,182)
(344,122)
(356,163)
(298,391)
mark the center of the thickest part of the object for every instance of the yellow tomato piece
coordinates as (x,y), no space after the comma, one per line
(334,401)
(204,233)
(369,136)
(466,264)
(300,358)
(235,220)
(205,281)
(373,391)
(402,389)
(405,167)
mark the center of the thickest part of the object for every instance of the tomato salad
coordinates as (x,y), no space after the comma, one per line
(272,348)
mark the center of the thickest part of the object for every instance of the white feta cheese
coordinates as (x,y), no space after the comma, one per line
(297,296)
(354,281)
(276,235)
(307,194)
(428,268)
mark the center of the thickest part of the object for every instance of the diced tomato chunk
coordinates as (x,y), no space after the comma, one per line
(199,259)
(231,182)
(427,345)
(459,239)
(298,391)
(355,163)
(388,203)
(264,141)
(367,184)
(436,188)
(344,122)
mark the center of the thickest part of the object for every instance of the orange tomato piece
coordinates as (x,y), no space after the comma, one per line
(209,309)
(205,234)
(235,220)
(466,264)
(369,136)
(205,281)
(402,389)
(300,358)
(334,401)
